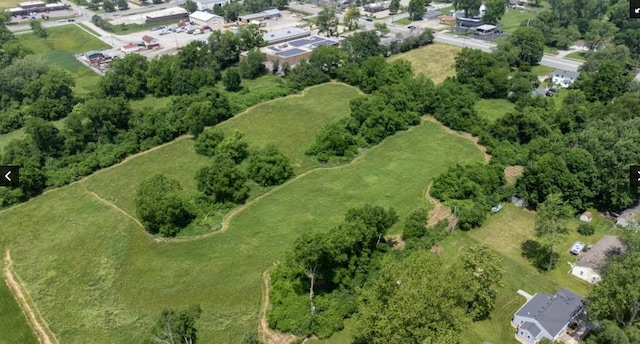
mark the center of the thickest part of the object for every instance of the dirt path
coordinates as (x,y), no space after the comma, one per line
(439,211)
(464,135)
(116,208)
(268,335)
(45,336)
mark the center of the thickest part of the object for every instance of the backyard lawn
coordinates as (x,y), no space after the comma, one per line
(435,61)
(513,18)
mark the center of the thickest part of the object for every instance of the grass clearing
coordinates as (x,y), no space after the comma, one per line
(550,50)
(512,19)
(541,70)
(123,29)
(493,109)
(577,55)
(6,4)
(62,44)
(92,31)
(435,61)
(14,327)
(94,274)
(403,21)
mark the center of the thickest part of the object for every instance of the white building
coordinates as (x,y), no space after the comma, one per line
(564,78)
(130,48)
(204,18)
(592,263)
(210,4)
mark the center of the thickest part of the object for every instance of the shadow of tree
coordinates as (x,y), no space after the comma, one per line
(538,254)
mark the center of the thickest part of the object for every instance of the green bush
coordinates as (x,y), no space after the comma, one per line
(586,229)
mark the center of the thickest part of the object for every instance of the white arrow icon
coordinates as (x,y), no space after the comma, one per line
(7,176)
(637,10)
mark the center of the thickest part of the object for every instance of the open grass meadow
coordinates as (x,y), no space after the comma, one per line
(14,327)
(94,274)
(435,61)
(493,109)
(291,123)
(18,134)
(578,55)
(512,19)
(60,48)
(6,4)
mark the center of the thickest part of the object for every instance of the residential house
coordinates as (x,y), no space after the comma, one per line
(593,262)
(564,78)
(150,42)
(547,316)
(586,216)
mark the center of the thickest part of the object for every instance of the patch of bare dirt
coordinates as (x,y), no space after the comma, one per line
(439,211)
(42,332)
(512,172)
(268,335)
(395,241)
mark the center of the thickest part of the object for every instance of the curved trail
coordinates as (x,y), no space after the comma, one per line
(267,334)
(45,336)
(439,211)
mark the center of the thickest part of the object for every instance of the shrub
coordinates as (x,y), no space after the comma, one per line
(586,229)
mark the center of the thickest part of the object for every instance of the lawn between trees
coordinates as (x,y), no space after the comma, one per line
(113,273)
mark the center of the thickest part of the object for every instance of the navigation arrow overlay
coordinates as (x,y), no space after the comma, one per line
(10,176)
(637,10)
(634,171)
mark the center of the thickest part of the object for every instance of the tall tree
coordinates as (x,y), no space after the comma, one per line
(190,6)
(177,327)
(529,44)
(250,37)
(470,7)
(599,34)
(351,17)
(223,181)
(549,217)
(122,5)
(411,301)
(394,6)
(269,167)
(362,45)
(252,66)
(37,28)
(417,9)
(231,79)
(160,207)
(617,296)
(494,10)
(327,21)
(108,6)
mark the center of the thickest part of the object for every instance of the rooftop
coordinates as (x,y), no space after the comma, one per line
(486,27)
(283,34)
(272,12)
(553,312)
(565,73)
(299,46)
(148,39)
(432,14)
(167,12)
(252,16)
(598,255)
(31,3)
(203,16)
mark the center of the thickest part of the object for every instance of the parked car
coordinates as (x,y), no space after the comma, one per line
(197,31)
(158,28)
(71,20)
(497,208)
(164,32)
(204,28)
(577,248)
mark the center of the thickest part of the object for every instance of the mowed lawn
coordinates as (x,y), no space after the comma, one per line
(14,327)
(60,48)
(292,123)
(493,109)
(435,61)
(94,274)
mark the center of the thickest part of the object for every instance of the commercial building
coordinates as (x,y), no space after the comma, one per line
(264,15)
(294,51)
(204,18)
(130,48)
(204,5)
(285,35)
(166,14)
(26,8)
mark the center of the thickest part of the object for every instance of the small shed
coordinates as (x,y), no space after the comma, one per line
(150,42)
(129,48)
(586,216)
(519,202)
(93,54)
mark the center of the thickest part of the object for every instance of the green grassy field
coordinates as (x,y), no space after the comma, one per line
(435,61)
(5,4)
(493,109)
(542,70)
(577,55)
(14,327)
(93,273)
(513,18)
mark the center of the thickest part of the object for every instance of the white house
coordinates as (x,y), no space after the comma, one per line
(547,316)
(210,4)
(592,263)
(564,78)
(150,42)
(204,18)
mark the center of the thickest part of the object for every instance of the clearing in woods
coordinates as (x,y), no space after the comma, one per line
(435,61)
(94,273)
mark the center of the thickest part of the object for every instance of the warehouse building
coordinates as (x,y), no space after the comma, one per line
(294,51)
(264,15)
(166,14)
(204,5)
(285,35)
(202,18)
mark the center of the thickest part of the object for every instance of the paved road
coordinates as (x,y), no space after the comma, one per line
(547,60)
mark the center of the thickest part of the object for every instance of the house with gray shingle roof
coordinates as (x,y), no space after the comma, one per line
(547,316)
(564,78)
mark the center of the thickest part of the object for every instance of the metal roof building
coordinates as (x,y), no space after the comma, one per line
(285,35)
